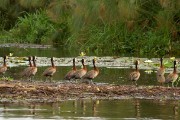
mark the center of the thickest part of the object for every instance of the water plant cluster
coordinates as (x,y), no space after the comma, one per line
(126,26)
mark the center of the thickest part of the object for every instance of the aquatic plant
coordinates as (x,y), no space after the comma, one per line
(177,82)
(82,54)
(6,78)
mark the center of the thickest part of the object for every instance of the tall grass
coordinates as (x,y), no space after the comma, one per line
(125,26)
(118,26)
(33,28)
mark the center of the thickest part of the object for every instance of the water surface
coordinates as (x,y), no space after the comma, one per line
(94,109)
(107,75)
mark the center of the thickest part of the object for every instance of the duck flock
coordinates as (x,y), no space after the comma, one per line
(171,78)
(31,70)
(82,73)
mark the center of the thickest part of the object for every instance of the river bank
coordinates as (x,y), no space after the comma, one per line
(22,91)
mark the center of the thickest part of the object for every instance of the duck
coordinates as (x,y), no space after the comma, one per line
(3,68)
(134,75)
(160,73)
(33,70)
(81,72)
(70,74)
(49,72)
(92,73)
(25,72)
(172,77)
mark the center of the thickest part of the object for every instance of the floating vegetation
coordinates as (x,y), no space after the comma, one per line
(108,62)
(148,61)
(148,71)
(82,54)
(10,54)
(172,58)
(177,82)
(6,79)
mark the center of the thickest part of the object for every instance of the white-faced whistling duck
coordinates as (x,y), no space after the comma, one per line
(70,74)
(3,68)
(172,77)
(33,69)
(25,72)
(160,73)
(81,72)
(92,73)
(49,72)
(134,76)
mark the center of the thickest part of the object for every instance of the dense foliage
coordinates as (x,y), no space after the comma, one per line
(118,26)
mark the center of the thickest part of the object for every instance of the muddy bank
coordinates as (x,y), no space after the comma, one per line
(24,45)
(18,91)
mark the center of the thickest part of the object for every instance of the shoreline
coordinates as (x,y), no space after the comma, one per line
(22,91)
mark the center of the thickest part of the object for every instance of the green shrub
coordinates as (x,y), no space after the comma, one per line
(138,27)
(33,28)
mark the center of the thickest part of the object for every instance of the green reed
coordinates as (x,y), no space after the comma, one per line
(116,26)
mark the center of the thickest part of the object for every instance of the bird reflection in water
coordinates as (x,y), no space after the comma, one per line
(32,108)
(176,114)
(137,109)
(94,104)
(4,108)
(83,105)
(55,108)
(94,107)
(75,106)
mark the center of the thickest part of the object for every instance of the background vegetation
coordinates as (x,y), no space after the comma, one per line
(116,26)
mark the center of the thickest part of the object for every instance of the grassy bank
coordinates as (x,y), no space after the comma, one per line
(131,26)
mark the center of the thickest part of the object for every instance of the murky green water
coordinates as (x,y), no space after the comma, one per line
(93,109)
(87,109)
(107,75)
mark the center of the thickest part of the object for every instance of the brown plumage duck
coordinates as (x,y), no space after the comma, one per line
(70,74)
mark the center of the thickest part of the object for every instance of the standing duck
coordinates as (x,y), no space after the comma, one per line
(160,73)
(134,76)
(3,68)
(81,72)
(49,72)
(25,72)
(92,73)
(33,69)
(70,74)
(172,77)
